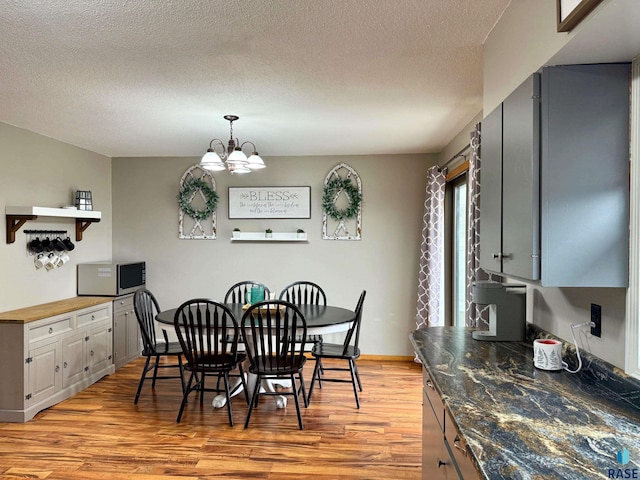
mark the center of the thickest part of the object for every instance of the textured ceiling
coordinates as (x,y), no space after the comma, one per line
(306,77)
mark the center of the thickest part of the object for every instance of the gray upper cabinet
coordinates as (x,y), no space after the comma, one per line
(556,155)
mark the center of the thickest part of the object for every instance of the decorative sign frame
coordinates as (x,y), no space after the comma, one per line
(269,202)
(571,12)
(341,227)
(192,229)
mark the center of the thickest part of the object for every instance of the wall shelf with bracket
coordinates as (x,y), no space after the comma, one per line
(275,237)
(17,216)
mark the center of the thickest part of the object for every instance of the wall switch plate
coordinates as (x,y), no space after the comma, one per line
(596,318)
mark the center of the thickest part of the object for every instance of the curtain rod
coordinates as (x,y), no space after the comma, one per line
(456,156)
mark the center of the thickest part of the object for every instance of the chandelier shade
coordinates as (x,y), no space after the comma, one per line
(232,158)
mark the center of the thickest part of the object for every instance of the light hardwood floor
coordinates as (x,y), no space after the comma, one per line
(101,434)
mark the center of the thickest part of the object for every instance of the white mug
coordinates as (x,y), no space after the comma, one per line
(50,265)
(547,354)
(64,258)
(40,260)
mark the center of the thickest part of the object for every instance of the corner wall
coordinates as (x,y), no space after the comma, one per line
(39,171)
(523,40)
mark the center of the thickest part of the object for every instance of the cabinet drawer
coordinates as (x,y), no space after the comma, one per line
(123,304)
(93,316)
(460,451)
(38,332)
(434,398)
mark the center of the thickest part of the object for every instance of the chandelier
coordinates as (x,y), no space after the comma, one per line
(232,157)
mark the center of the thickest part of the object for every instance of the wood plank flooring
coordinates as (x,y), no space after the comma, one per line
(101,434)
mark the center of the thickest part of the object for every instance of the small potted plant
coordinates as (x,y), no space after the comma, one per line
(236,233)
(301,233)
(268,233)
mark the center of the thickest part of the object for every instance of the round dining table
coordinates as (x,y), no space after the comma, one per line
(320,319)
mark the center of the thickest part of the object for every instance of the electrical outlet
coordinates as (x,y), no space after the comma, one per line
(596,318)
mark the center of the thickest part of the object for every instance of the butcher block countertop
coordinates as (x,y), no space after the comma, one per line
(45,310)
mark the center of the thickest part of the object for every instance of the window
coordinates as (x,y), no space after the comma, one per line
(456,246)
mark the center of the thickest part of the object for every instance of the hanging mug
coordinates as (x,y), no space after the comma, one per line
(68,244)
(35,246)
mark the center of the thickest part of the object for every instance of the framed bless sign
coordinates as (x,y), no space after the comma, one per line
(269,202)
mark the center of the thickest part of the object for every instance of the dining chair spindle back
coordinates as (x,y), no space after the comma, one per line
(348,350)
(208,333)
(269,330)
(146,308)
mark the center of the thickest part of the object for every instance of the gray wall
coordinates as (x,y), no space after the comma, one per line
(384,262)
(39,171)
(522,41)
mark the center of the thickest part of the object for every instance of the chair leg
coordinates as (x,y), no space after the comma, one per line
(320,371)
(202,389)
(184,397)
(353,381)
(355,369)
(314,376)
(296,400)
(228,394)
(254,400)
(142,378)
(181,368)
(243,382)
(155,372)
(302,389)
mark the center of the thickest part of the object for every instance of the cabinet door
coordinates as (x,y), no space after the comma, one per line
(74,362)
(436,462)
(119,339)
(491,192)
(99,348)
(133,336)
(44,374)
(585,175)
(521,181)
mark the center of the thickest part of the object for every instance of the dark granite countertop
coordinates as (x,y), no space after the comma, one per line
(525,423)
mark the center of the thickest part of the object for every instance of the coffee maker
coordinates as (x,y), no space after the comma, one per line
(507,310)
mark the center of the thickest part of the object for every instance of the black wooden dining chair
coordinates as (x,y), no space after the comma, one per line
(348,351)
(305,293)
(269,330)
(146,308)
(238,292)
(208,333)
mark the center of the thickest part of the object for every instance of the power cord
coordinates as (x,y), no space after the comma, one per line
(565,365)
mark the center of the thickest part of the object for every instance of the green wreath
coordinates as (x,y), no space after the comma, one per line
(331,191)
(189,187)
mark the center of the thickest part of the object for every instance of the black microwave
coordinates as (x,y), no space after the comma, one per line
(111,278)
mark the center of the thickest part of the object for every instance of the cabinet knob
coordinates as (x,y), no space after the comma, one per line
(57,368)
(92,353)
(93,317)
(441,463)
(65,364)
(50,330)
(497,256)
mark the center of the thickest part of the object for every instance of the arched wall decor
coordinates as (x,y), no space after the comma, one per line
(342,180)
(197,228)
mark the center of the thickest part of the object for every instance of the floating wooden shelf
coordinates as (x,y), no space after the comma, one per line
(275,237)
(17,216)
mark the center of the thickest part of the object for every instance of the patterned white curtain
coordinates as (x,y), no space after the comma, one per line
(476,315)
(430,310)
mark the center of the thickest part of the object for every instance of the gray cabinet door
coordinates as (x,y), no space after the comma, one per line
(491,192)
(521,181)
(585,175)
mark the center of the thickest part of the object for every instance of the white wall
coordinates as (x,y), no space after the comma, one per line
(524,40)
(39,171)
(384,262)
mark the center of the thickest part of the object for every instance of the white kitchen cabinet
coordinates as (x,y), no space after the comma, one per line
(49,356)
(126,338)
(554,200)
